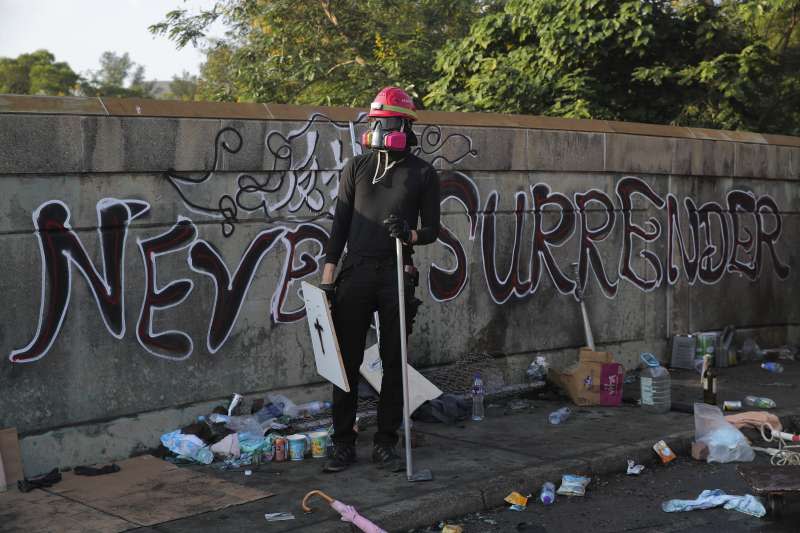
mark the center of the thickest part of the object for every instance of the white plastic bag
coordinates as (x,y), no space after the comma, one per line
(725,443)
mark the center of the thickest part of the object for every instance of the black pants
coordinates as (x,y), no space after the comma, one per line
(366,285)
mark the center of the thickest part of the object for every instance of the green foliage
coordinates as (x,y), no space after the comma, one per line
(730,64)
(183,87)
(118,76)
(322,51)
(36,73)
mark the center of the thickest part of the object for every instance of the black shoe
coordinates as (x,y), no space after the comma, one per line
(343,456)
(387,458)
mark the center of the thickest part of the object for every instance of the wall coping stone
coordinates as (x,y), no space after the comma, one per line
(132,107)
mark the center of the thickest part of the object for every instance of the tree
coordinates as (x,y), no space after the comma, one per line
(183,87)
(37,73)
(320,52)
(118,76)
(727,64)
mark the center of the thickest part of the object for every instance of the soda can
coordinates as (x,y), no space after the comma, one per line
(280,449)
(731,405)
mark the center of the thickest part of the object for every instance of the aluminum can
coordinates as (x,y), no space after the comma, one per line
(280,449)
(732,406)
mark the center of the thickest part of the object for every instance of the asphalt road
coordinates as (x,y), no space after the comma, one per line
(633,503)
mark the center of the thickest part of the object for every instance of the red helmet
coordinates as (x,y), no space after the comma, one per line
(393,102)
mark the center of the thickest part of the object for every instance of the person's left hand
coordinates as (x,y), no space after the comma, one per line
(398,228)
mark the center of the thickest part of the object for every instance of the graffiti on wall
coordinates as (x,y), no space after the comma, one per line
(703,241)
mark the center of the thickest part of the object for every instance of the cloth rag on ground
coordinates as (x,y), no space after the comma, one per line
(754,419)
(708,499)
(228,447)
(94,471)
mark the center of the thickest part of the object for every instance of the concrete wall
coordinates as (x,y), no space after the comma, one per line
(152,252)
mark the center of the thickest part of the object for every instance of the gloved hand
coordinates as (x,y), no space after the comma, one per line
(330,292)
(398,228)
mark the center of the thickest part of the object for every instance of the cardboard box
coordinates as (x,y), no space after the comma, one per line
(12,458)
(596,379)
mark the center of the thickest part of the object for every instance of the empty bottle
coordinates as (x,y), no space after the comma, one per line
(655,385)
(307,409)
(560,416)
(758,401)
(548,493)
(477,397)
(772,367)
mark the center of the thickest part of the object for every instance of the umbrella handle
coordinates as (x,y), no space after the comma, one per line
(319,493)
(349,514)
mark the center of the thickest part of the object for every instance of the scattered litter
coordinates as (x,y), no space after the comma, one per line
(633,468)
(516,405)
(548,493)
(725,443)
(760,402)
(785,454)
(187,447)
(235,401)
(776,368)
(93,471)
(227,447)
(573,485)
(664,452)
(348,512)
(730,405)
(708,499)
(278,517)
(518,501)
(46,480)
(754,419)
(560,416)
(490,521)
(537,371)
(452,528)
(248,472)
(699,451)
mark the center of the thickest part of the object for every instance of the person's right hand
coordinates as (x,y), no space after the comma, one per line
(330,293)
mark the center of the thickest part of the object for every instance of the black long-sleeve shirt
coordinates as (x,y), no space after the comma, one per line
(409,189)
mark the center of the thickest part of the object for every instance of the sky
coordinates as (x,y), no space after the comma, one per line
(78,31)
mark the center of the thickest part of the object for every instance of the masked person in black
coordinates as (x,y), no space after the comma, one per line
(385,194)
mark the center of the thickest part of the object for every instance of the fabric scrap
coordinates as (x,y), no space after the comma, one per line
(747,504)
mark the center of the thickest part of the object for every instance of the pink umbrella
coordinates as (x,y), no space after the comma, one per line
(348,512)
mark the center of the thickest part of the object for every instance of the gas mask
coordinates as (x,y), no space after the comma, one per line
(386,133)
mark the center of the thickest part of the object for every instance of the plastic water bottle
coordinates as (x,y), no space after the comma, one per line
(560,416)
(477,397)
(548,493)
(772,367)
(655,385)
(307,409)
(758,401)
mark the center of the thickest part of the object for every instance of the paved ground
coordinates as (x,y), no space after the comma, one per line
(477,464)
(620,503)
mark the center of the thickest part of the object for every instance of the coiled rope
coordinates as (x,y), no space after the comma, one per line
(784,454)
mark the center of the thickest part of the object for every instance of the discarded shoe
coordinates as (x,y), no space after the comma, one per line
(45,480)
(343,456)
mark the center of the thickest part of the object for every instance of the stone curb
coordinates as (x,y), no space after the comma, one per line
(426,509)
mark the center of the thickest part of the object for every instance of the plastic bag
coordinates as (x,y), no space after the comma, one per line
(725,443)
(187,446)
(537,371)
(573,485)
(281,404)
(239,424)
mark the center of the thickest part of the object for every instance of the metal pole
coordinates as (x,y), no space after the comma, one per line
(404,356)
